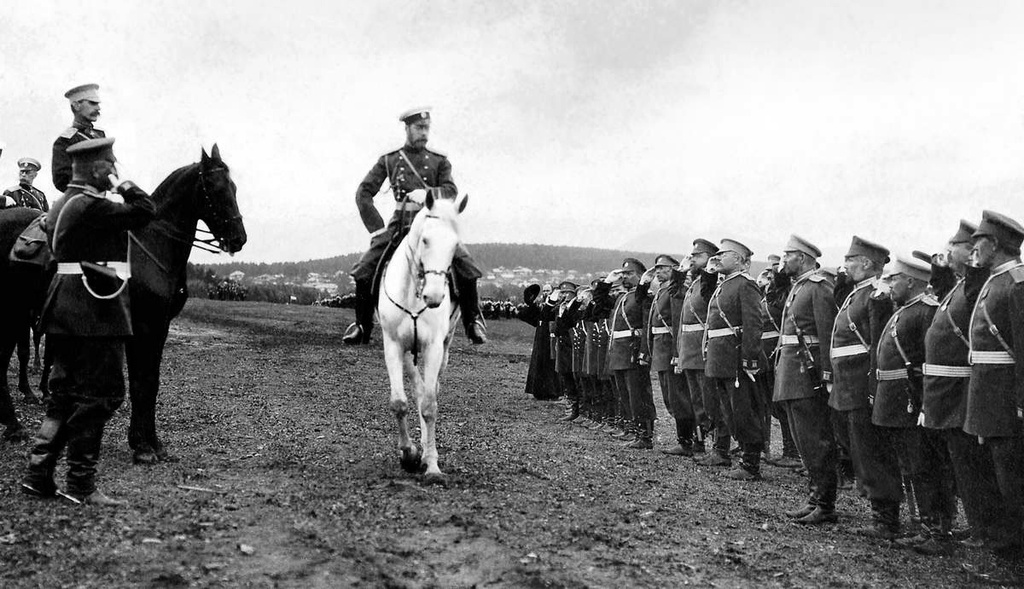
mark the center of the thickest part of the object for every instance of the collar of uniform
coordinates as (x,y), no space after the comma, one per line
(26,187)
(412,149)
(913,300)
(805,275)
(86,189)
(733,275)
(82,126)
(1005,266)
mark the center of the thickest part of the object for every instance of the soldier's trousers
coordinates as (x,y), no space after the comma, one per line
(637,384)
(568,386)
(742,408)
(86,388)
(874,458)
(463,264)
(976,481)
(923,457)
(1008,461)
(676,395)
(811,424)
(696,382)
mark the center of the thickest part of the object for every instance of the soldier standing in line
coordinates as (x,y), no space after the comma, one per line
(898,396)
(659,345)
(696,289)
(803,368)
(85,106)
(774,284)
(413,171)
(25,194)
(87,318)
(584,388)
(734,356)
(994,397)
(947,373)
(855,336)
(631,371)
(562,314)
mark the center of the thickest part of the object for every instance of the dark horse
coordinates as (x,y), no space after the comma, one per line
(159,254)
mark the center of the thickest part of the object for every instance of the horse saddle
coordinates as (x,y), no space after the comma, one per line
(30,247)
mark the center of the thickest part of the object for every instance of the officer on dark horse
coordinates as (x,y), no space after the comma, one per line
(413,171)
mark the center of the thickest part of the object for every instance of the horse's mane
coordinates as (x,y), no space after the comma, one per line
(444,208)
(172,183)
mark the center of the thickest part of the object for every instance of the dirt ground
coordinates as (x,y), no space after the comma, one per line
(289,477)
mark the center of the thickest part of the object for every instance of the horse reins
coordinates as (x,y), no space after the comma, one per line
(423,272)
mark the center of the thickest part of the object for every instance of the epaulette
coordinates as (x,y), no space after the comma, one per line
(391,152)
(816,277)
(930,301)
(1017,274)
(69,133)
(436,152)
(14,188)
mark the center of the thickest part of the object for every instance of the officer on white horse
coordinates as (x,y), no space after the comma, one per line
(413,171)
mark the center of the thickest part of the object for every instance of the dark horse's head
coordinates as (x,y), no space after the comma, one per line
(218,207)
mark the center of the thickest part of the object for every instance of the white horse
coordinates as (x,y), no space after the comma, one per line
(418,317)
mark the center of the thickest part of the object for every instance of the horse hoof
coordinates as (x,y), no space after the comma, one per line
(435,478)
(411,459)
(146,458)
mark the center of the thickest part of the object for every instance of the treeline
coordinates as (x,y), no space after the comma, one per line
(488,255)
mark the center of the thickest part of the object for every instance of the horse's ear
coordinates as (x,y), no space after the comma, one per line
(205,157)
(215,152)
(463,201)
(429,200)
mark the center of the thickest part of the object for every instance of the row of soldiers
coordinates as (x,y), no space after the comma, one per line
(911,373)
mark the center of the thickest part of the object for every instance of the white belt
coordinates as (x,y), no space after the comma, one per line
(625,333)
(948,371)
(686,327)
(977,357)
(895,374)
(713,333)
(792,340)
(769,335)
(843,351)
(120,268)
(660,330)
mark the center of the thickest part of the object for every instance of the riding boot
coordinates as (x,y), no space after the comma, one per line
(684,435)
(749,468)
(645,436)
(83,457)
(47,445)
(885,520)
(360,331)
(469,304)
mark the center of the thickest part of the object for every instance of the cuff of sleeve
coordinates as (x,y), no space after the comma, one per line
(750,365)
(826,376)
(378,232)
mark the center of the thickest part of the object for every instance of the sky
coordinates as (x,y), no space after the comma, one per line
(634,124)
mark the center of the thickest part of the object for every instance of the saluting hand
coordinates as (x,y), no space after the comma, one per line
(418,196)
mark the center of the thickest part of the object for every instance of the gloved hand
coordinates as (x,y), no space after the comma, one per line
(647,276)
(7,202)
(418,196)
(116,183)
(751,374)
(613,276)
(920,419)
(554,297)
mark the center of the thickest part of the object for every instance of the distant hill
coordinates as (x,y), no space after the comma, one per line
(488,255)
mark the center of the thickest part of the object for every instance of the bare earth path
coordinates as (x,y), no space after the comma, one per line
(289,478)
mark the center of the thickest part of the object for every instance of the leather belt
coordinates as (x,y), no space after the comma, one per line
(999,357)
(769,335)
(121,268)
(844,351)
(895,374)
(687,327)
(625,333)
(792,340)
(713,333)
(947,371)
(660,330)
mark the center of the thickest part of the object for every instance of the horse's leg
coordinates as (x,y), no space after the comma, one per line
(432,360)
(394,358)
(144,354)
(44,378)
(8,416)
(37,337)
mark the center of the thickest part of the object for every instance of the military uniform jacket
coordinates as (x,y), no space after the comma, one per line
(626,315)
(579,340)
(429,170)
(733,334)
(28,196)
(662,322)
(771,317)
(595,361)
(901,352)
(996,390)
(855,336)
(60,165)
(947,370)
(562,328)
(693,318)
(91,228)
(810,310)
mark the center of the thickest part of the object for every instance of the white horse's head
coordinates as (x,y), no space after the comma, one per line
(434,236)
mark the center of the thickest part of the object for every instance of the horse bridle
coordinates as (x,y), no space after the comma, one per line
(423,272)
